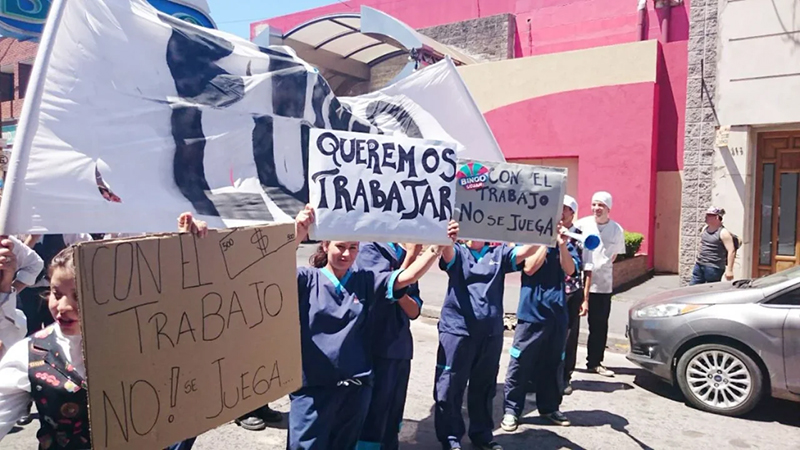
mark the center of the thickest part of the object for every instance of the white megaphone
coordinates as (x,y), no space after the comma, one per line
(590,241)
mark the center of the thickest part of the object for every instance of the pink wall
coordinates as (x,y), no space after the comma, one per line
(619,159)
(543,26)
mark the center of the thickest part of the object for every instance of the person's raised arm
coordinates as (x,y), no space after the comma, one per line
(535,261)
(412,252)
(449,252)
(424,262)
(526,251)
(303,223)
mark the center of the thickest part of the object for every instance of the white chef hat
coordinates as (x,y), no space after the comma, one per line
(602,197)
(571,203)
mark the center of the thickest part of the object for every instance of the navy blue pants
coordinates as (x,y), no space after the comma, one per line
(389,388)
(328,417)
(537,355)
(706,274)
(461,360)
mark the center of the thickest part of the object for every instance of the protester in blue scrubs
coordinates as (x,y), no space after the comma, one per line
(537,353)
(328,411)
(392,346)
(471,338)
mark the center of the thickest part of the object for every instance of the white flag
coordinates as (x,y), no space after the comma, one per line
(134,117)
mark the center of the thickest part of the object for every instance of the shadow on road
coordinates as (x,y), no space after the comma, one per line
(422,434)
(769,410)
(600,386)
(597,418)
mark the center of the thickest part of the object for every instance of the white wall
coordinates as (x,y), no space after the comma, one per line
(757,85)
(733,190)
(758,72)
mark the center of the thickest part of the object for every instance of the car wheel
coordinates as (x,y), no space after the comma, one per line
(720,379)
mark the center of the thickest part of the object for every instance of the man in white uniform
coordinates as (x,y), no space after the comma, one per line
(599,270)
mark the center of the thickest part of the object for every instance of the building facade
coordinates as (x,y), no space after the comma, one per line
(596,87)
(16,62)
(742,143)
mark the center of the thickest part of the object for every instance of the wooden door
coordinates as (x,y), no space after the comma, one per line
(776,241)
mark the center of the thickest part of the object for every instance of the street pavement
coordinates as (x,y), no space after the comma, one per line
(633,410)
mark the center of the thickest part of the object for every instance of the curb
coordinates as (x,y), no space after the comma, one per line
(616,342)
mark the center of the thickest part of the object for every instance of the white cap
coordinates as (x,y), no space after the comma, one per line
(602,197)
(571,203)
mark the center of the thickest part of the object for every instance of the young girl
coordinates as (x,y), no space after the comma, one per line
(471,338)
(329,410)
(392,346)
(48,368)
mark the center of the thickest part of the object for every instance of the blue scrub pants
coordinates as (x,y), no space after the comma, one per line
(537,355)
(463,359)
(328,417)
(389,388)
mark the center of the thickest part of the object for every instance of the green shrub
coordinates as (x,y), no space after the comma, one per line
(633,241)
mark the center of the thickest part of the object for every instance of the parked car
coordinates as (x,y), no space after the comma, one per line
(726,345)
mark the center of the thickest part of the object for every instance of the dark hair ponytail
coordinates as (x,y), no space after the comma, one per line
(320,257)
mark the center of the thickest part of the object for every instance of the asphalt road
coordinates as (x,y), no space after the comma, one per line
(631,411)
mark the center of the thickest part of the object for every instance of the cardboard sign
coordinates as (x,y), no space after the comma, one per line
(368,187)
(182,334)
(504,202)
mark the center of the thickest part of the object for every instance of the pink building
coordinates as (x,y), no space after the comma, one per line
(597,87)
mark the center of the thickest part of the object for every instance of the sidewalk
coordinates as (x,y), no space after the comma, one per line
(433,285)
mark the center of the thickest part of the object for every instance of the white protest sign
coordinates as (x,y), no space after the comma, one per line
(380,188)
(504,202)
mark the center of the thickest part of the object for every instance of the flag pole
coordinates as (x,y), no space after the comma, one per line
(29,122)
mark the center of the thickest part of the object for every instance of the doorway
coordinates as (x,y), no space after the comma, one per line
(777,246)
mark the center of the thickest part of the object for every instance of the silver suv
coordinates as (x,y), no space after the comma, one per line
(725,344)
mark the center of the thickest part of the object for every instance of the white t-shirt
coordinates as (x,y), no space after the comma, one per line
(612,242)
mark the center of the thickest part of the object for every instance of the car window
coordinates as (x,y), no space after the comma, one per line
(789,298)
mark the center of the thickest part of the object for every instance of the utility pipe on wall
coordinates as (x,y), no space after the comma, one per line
(642,10)
(666,7)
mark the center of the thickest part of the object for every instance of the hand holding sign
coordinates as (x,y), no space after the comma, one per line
(188,224)
(303,223)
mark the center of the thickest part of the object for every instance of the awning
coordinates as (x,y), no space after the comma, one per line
(345,46)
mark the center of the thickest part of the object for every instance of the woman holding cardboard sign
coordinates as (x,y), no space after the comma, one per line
(471,338)
(48,366)
(328,412)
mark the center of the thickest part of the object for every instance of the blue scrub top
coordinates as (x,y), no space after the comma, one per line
(389,330)
(542,294)
(333,319)
(473,304)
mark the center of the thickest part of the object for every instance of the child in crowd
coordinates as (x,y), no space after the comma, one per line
(48,366)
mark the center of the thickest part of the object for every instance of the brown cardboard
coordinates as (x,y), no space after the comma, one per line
(183,334)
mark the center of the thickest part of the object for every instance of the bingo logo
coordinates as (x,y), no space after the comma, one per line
(472,176)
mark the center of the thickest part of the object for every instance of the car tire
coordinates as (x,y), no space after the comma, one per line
(720,379)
